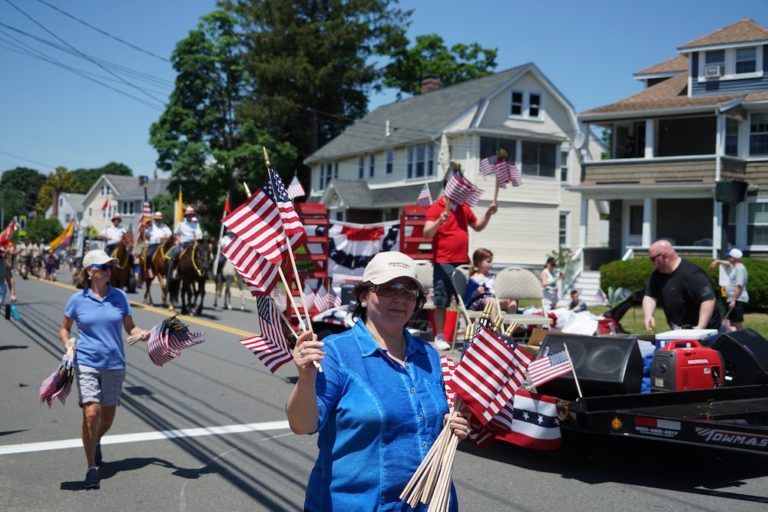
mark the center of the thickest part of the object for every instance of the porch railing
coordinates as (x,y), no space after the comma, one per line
(573,270)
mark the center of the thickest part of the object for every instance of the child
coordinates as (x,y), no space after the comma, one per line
(480,284)
(576,305)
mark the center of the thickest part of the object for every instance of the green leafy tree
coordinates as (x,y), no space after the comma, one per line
(19,189)
(200,137)
(313,64)
(60,180)
(163,203)
(430,57)
(87,177)
(39,228)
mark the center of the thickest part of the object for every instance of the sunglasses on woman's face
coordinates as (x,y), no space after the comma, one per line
(103,266)
(394,289)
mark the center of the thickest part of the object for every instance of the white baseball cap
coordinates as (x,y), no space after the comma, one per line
(386,266)
(736,253)
(96,257)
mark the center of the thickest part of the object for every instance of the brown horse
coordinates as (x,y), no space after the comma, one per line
(122,275)
(156,269)
(194,264)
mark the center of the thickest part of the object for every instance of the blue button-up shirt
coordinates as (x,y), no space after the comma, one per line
(378,419)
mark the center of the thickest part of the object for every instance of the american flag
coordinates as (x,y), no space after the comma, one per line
(258,273)
(460,190)
(507,173)
(447,366)
(274,188)
(535,424)
(487,375)
(546,368)
(146,215)
(271,346)
(257,224)
(479,434)
(488,165)
(295,189)
(425,197)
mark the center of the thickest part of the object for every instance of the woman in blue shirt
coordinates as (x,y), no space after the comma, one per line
(100,311)
(379,403)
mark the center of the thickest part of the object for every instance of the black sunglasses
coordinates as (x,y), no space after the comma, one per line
(103,266)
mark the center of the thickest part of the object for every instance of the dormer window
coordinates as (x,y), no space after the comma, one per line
(525,104)
(731,63)
(746,60)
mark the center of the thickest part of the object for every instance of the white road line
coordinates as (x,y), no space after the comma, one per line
(145,436)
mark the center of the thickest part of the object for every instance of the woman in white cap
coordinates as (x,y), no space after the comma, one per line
(379,403)
(100,311)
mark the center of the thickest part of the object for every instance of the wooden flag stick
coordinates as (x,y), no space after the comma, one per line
(285,319)
(573,370)
(496,193)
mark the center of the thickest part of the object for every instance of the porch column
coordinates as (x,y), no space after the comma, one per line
(583,221)
(650,138)
(647,216)
(717,222)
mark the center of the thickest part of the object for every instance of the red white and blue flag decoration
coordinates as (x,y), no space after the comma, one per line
(145,218)
(448,366)
(535,424)
(270,346)
(425,196)
(257,224)
(549,367)
(168,338)
(257,272)
(7,234)
(505,172)
(488,165)
(58,385)
(275,189)
(460,190)
(295,189)
(488,374)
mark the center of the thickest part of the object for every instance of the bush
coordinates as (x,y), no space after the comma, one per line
(633,274)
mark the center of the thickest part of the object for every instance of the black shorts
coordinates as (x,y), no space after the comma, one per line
(737,313)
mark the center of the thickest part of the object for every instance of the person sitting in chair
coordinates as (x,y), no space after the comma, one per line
(113,234)
(157,233)
(187,232)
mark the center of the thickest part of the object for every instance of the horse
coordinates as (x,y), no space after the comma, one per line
(122,274)
(156,269)
(224,281)
(193,266)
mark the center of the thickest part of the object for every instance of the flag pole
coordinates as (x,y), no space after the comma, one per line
(290,255)
(573,370)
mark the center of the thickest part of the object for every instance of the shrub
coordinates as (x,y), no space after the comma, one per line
(633,274)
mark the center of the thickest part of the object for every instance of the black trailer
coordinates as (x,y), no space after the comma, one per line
(733,418)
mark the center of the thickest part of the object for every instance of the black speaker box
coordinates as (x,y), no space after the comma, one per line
(604,365)
(730,191)
(745,356)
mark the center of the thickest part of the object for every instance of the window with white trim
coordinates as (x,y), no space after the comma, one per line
(734,63)
(360,167)
(563,231)
(390,161)
(90,212)
(421,161)
(525,104)
(371,165)
(517,104)
(328,171)
(757,224)
(490,146)
(758,134)
(534,105)
(746,60)
(564,167)
(538,159)
(731,137)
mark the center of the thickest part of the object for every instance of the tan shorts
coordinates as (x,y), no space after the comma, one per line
(99,386)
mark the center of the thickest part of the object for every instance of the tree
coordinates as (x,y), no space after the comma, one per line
(430,57)
(312,63)
(199,137)
(19,189)
(87,177)
(163,203)
(39,228)
(60,180)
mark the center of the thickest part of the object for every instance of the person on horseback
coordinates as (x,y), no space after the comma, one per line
(113,234)
(187,232)
(156,233)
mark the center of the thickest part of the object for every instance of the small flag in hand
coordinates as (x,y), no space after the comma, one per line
(271,346)
(546,368)
(425,197)
(295,189)
(460,190)
(488,165)
(535,424)
(447,366)
(257,223)
(274,188)
(258,273)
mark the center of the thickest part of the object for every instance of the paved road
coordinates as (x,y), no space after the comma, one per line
(207,432)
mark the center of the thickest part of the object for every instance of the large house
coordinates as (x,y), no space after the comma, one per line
(118,194)
(381,163)
(69,207)
(684,149)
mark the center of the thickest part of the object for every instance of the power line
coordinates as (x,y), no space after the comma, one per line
(126,82)
(104,32)
(26,159)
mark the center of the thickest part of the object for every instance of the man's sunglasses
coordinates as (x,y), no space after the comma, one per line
(394,289)
(653,258)
(103,266)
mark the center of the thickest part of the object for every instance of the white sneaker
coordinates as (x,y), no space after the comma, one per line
(441,344)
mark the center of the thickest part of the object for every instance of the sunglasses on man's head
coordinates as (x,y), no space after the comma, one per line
(393,289)
(103,266)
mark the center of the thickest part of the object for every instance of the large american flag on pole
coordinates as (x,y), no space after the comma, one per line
(270,347)
(546,368)
(258,273)
(295,189)
(460,190)
(487,375)
(274,188)
(257,224)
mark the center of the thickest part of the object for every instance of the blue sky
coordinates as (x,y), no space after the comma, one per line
(51,117)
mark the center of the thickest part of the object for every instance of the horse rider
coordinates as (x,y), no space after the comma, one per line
(223,243)
(113,234)
(156,233)
(187,232)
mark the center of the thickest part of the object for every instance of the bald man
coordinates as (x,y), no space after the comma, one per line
(682,288)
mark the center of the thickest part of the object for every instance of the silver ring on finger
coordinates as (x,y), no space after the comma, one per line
(302,352)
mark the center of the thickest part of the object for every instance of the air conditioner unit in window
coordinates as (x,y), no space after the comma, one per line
(713,70)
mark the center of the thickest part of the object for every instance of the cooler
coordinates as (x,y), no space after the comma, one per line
(700,335)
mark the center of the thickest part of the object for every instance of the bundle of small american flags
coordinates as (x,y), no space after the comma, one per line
(460,190)
(504,171)
(59,383)
(168,339)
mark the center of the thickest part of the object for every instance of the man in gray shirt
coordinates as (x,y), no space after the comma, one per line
(735,290)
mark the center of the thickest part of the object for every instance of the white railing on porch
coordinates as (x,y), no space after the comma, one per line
(573,270)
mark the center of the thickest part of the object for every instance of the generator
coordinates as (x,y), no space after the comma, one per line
(685,365)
